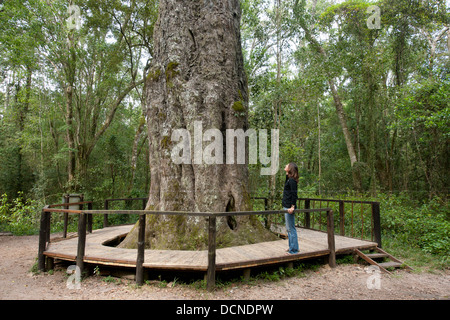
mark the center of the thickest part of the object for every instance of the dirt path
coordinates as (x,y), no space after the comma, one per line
(17,255)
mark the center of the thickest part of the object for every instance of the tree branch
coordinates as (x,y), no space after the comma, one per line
(113,106)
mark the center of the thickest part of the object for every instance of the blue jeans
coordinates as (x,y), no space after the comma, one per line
(291,231)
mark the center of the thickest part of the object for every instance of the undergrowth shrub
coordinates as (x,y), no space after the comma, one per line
(422,225)
(19,216)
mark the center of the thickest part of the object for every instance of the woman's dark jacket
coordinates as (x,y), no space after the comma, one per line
(289,193)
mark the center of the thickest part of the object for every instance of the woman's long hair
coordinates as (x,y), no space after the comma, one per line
(293,171)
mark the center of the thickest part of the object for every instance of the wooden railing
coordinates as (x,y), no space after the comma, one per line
(86,215)
(67,205)
(356,218)
(108,201)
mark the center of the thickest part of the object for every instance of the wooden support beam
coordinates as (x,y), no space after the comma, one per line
(81,241)
(47,226)
(105,216)
(376,222)
(307,214)
(66,215)
(140,252)
(42,240)
(331,240)
(342,217)
(49,263)
(246,274)
(211,274)
(89,219)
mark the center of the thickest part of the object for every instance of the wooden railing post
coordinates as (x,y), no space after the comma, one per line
(89,218)
(105,216)
(341,217)
(42,239)
(140,251)
(376,222)
(211,274)
(331,243)
(81,241)
(66,215)
(266,218)
(48,216)
(307,214)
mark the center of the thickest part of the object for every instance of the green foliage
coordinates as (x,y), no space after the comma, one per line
(425,226)
(40,58)
(19,216)
(426,107)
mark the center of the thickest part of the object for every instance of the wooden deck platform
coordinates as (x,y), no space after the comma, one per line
(312,244)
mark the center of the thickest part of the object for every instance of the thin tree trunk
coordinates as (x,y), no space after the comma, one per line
(134,153)
(348,140)
(338,105)
(86,147)
(433,42)
(318,148)
(70,80)
(276,103)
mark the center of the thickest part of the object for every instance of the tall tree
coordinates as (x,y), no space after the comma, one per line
(300,10)
(17,64)
(197,74)
(97,67)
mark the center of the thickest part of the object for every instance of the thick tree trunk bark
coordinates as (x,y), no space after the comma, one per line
(197,75)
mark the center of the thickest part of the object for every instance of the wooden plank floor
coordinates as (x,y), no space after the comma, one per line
(312,244)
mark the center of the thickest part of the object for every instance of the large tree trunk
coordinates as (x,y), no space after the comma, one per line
(197,75)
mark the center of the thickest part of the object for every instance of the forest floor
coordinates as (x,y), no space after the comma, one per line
(346,282)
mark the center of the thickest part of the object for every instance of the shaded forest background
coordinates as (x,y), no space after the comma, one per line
(361,99)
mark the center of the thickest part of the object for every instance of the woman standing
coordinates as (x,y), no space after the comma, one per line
(289,204)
